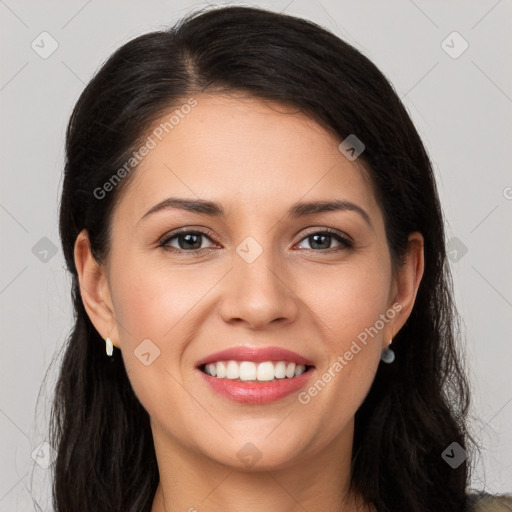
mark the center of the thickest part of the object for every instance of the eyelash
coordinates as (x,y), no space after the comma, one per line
(346,243)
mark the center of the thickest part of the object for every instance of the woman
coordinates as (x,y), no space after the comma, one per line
(255,239)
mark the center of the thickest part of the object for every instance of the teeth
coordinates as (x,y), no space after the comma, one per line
(265,371)
(248,370)
(232,370)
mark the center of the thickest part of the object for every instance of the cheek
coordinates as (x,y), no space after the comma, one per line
(349,303)
(151,297)
(349,299)
(357,297)
(155,303)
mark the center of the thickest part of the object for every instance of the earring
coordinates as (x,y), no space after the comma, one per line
(388,355)
(110,346)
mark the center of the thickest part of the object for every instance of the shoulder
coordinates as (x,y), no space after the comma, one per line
(484,502)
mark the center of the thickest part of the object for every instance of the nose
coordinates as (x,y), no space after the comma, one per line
(259,293)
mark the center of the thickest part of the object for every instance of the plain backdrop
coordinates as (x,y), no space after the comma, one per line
(448,61)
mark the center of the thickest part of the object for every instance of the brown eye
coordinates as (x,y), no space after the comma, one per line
(187,241)
(322,240)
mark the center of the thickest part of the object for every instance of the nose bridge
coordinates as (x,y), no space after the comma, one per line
(256,262)
(257,291)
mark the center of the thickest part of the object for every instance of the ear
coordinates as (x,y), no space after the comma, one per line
(406,283)
(94,288)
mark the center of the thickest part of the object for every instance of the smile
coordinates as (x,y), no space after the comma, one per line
(251,371)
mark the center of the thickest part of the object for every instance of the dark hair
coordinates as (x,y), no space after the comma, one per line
(416,406)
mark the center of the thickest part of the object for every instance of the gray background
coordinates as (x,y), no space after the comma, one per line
(461,106)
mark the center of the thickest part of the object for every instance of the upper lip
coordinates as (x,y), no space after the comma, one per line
(255,354)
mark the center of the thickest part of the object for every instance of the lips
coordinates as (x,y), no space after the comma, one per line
(255,354)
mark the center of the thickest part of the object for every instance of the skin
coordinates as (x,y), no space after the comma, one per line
(256,159)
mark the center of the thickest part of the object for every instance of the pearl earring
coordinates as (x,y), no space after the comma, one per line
(388,355)
(110,346)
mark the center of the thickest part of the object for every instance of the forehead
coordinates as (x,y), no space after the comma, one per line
(251,156)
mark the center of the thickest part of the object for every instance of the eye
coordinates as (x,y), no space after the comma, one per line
(191,241)
(323,239)
(188,241)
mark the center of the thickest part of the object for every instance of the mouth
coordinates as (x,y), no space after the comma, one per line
(241,380)
(255,375)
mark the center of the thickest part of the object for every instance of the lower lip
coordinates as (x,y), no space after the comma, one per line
(257,392)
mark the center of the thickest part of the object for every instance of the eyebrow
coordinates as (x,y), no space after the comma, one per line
(297,210)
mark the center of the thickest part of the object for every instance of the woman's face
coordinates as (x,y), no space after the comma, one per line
(255,277)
